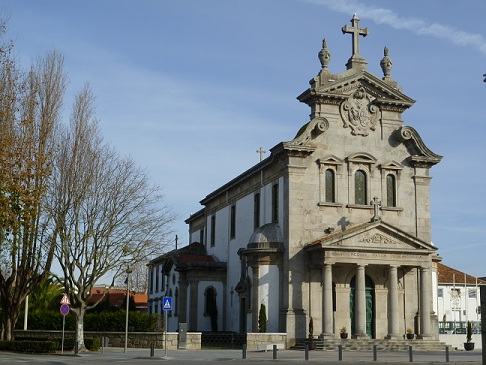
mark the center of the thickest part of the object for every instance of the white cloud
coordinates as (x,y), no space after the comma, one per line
(415,25)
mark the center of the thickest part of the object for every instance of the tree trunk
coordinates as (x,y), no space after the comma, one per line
(9,319)
(10,314)
(79,331)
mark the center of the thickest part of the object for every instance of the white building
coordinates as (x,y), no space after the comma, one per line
(458,300)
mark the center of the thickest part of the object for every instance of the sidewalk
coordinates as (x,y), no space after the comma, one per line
(395,357)
(112,356)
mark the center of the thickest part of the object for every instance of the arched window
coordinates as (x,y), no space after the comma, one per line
(360,187)
(391,197)
(330,181)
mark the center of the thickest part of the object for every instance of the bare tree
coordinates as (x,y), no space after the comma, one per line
(107,214)
(30,105)
(138,278)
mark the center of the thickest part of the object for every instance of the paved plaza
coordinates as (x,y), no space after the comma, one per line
(142,356)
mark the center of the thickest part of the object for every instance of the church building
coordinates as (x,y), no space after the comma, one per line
(333,225)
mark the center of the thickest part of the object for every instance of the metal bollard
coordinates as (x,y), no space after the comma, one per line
(275,352)
(410,354)
(447,353)
(75,347)
(306,357)
(375,353)
(340,356)
(152,349)
(243,351)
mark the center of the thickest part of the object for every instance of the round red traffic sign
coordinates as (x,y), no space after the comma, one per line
(64,309)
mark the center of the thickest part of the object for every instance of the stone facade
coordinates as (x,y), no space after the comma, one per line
(334,225)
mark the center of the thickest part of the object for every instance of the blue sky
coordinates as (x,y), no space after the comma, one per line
(191,89)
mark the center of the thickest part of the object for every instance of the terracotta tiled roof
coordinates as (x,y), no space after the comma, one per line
(446,274)
(117,296)
(196,258)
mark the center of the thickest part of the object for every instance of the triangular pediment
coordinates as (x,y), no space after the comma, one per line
(344,86)
(373,236)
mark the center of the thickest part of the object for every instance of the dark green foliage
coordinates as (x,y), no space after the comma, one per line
(107,321)
(262,319)
(469,332)
(29,346)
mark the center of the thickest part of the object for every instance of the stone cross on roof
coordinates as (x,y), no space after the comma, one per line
(356,31)
(261,151)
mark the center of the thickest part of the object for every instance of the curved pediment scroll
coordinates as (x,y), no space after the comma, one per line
(311,130)
(425,156)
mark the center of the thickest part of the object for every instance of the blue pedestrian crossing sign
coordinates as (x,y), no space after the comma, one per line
(167,303)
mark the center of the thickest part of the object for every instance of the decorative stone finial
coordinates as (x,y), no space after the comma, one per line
(324,55)
(386,65)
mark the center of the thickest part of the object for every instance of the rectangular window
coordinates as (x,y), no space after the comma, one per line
(201,236)
(151,280)
(157,270)
(440,292)
(275,203)
(213,230)
(233,222)
(256,210)
(472,293)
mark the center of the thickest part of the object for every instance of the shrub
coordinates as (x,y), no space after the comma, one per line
(29,346)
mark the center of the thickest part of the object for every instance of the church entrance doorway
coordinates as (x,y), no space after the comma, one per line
(370,305)
(242,315)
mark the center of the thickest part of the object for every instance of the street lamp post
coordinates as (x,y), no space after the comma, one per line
(128,300)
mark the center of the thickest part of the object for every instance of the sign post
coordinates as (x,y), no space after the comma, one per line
(167,306)
(64,311)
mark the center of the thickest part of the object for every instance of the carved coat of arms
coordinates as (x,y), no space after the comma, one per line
(359,113)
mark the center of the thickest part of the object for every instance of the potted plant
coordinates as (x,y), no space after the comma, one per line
(469,345)
(410,334)
(312,346)
(344,333)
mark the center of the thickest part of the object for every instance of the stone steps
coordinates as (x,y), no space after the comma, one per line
(367,345)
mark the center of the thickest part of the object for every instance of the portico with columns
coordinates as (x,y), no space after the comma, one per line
(398,267)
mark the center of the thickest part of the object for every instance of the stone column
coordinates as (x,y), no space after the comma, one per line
(425,283)
(327,308)
(360,304)
(393,311)
(182,301)
(193,305)
(255,300)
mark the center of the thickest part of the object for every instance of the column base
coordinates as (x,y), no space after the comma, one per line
(326,335)
(360,336)
(393,337)
(424,337)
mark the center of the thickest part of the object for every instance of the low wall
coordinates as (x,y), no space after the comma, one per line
(457,340)
(255,339)
(117,339)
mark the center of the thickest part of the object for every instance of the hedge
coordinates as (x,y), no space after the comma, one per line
(29,346)
(108,321)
